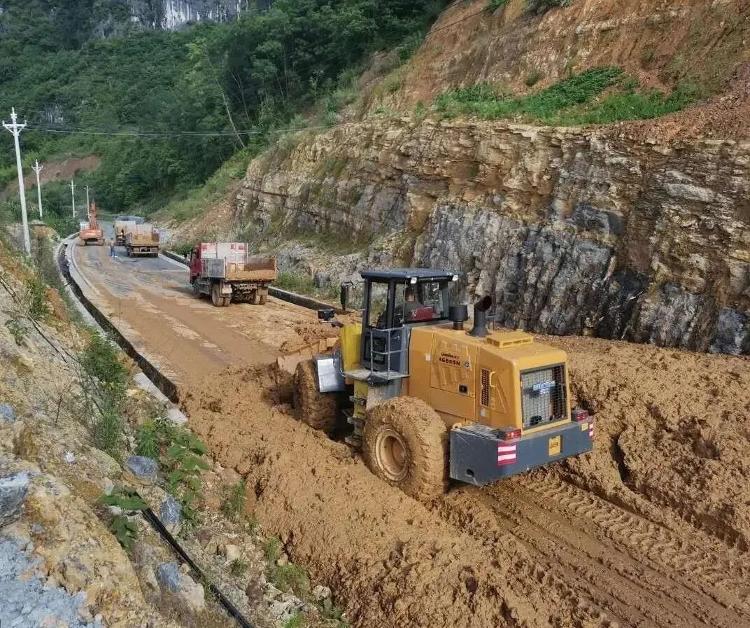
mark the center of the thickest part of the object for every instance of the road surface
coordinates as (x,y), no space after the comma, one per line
(150,301)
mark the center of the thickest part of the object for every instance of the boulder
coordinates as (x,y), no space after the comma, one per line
(143,468)
(180,590)
(170,513)
(13,491)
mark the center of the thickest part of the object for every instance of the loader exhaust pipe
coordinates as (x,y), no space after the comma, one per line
(480,317)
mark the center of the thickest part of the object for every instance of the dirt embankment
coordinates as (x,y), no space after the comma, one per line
(650,529)
(55,171)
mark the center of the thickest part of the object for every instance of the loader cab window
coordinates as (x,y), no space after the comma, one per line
(421,302)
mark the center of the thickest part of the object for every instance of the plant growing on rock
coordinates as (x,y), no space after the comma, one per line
(184,459)
(234,502)
(121,525)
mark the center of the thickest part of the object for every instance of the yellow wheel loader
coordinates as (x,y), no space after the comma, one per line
(431,401)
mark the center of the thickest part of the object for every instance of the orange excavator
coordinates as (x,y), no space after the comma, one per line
(90,232)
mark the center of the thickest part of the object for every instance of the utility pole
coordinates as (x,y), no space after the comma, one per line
(15,129)
(88,203)
(73,196)
(37,168)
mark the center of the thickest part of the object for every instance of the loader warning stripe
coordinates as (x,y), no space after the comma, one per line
(506,454)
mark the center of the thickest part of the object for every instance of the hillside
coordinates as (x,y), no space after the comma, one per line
(163,110)
(634,228)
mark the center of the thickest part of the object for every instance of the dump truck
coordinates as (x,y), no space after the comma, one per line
(428,401)
(227,272)
(122,225)
(142,240)
(90,232)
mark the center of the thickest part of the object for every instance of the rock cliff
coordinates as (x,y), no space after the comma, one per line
(572,231)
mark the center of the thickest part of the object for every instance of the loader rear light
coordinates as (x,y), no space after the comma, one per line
(579,415)
(510,435)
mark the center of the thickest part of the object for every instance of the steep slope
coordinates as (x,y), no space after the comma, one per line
(635,230)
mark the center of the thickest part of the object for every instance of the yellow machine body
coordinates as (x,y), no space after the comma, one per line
(465,379)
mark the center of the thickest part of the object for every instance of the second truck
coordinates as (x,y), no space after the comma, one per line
(226,272)
(142,240)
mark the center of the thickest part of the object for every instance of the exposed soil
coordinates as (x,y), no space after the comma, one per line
(650,529)
(55,171)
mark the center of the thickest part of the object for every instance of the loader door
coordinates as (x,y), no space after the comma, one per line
(452,377)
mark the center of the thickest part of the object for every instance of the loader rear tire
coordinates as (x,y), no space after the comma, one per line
(316,409)
(405,443)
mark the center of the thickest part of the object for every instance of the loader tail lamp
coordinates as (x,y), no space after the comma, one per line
(508,435)
(579,415)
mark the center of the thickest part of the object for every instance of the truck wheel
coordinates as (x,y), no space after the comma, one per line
(316,409)
(196,288)
(263,297)
(216,297)
(405,443)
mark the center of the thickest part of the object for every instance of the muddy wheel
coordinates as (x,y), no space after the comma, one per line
(226,301)
(216,298)
(316,409)
(254,299)
(196,288)
(263,297)
(405,443)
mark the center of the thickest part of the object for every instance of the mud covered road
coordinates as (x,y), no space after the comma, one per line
(652,529)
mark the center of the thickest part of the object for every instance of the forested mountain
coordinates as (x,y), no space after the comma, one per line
(165,109)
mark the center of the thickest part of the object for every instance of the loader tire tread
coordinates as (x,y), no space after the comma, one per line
(426,437)
(316,409)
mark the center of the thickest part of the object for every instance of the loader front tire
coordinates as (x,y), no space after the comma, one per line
(405,443)
(316,409)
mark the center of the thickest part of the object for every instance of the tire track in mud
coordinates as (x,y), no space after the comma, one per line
(638,572)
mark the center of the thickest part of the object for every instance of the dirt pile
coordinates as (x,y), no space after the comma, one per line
(673,433)
(649,529)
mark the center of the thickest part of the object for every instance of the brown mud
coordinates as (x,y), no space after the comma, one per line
(650,529)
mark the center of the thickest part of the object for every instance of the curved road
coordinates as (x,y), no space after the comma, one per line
(150,301)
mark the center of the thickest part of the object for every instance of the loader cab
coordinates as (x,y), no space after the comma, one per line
(395,301)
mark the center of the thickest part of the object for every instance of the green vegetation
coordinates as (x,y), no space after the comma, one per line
(597,96)
(494,5)
(103,383)
(165,109)
(238,567)
(304,284)
(234,502)
(129,502)
(184,460)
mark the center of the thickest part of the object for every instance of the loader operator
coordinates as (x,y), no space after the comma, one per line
(403,312)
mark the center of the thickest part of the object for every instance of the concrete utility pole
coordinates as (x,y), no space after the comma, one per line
(15,129)
(88,203)
(73,196)
(37,168)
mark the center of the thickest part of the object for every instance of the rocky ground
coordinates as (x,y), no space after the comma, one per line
(61,501)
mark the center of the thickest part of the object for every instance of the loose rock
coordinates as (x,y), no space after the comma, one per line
(186,595)
(143,468)
(170,513)
(13,490)
(7,413)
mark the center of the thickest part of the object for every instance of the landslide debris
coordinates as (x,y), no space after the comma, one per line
(667,467)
